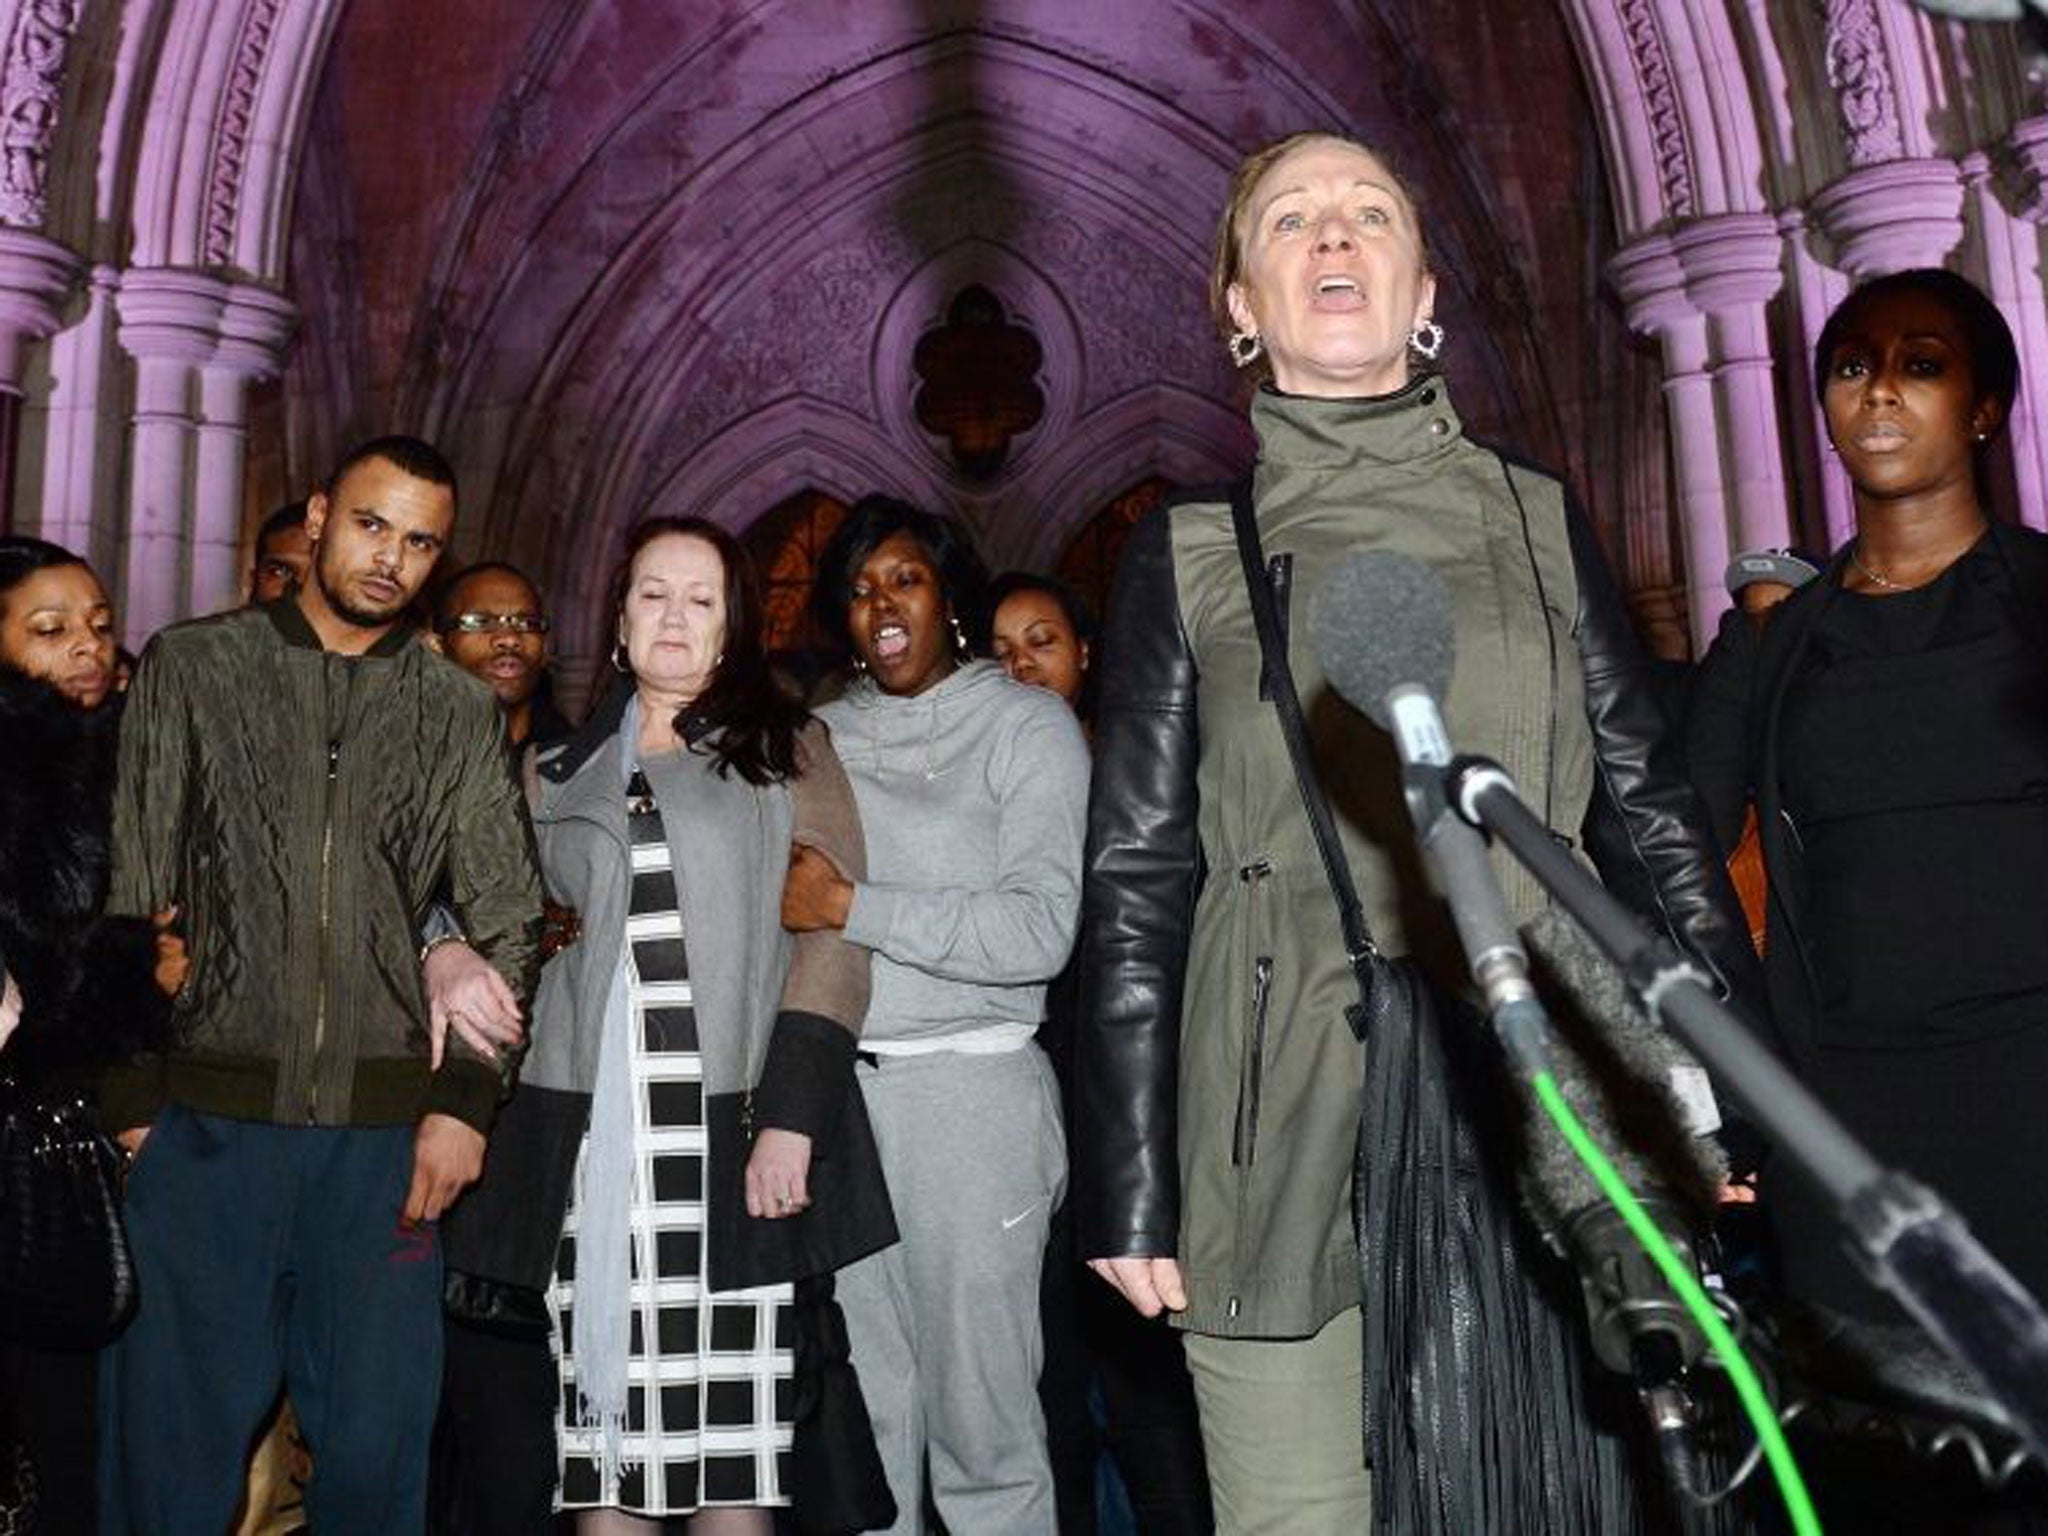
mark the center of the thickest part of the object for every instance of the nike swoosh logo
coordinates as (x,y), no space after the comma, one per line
(1012,1221)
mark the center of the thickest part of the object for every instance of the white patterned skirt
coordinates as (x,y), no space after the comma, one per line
(709,1376)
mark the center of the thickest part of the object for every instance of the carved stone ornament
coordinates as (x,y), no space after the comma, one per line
(1860,73)
(31,87)
(1660,105)
(231,136)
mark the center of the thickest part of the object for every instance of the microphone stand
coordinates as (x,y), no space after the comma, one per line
(1647,1334)
(1903,1234)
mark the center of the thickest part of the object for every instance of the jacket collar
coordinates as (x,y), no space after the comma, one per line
(1414,424)
(291,623)
(563,763)
(560,764)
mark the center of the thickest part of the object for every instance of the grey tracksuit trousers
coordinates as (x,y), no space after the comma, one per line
(944,1325)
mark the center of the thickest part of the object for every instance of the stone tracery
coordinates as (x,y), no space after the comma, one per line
(31,86)
(612,312)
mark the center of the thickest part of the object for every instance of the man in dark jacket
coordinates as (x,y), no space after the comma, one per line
(296,778)
(494,1442)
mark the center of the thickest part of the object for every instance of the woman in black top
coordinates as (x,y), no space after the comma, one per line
(1892,720)
(81,991)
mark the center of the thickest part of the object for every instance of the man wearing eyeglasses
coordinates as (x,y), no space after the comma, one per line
(490,624)
(494,1443)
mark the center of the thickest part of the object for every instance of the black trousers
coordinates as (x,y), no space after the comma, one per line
(1093,1336)
(493,1468)
(50,1407)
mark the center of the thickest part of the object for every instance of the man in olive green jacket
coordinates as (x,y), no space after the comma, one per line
(295,778)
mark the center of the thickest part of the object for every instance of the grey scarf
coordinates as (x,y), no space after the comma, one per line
(602,1326)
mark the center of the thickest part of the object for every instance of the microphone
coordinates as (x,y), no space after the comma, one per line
(1373,598)
(1383,631)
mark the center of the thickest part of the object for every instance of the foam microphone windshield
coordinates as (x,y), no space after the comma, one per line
(1383,620)
(1622,1072)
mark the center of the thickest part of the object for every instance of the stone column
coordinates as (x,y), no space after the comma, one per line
(75,424)
(1733,267)
(1652,287)
(170,324)
(36,278)
(1812,292)
(1892,215)
(1702,291)
(255,329)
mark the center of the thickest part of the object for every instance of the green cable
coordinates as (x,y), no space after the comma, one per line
(1680,1277)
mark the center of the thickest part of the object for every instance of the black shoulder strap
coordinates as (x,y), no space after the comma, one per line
(1277,683)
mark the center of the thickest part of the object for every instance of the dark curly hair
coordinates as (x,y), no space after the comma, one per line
(871,522)
(743,718)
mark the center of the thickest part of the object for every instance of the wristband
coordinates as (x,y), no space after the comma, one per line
(437,941)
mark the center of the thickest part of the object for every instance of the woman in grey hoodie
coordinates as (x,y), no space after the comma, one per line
(973,796)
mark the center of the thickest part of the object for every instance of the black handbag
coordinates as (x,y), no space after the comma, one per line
(836,1482)
(66,1278)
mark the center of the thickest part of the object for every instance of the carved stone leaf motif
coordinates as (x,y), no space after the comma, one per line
(231,135)
(1661,105)
(1156,314)
(1144,316)
(30,90)
(809,334)
(1860,73)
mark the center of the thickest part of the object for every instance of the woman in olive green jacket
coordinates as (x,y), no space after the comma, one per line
(1219,1087)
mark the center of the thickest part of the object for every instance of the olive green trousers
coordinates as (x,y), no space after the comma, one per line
(1283,1428)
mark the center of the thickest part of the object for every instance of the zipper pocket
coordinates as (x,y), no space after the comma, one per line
(1280,577)
(1244,1142)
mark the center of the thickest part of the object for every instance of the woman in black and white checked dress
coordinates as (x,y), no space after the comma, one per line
(707,1407)
(653,1173)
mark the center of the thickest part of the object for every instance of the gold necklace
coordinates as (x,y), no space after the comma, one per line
(1856,559)
(1889,585)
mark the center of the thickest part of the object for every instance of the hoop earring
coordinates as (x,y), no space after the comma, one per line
(1244,348)
(860,665)
(961,651)
(1427,339)
(620,660)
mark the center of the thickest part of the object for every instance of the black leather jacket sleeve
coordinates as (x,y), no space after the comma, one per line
(1142,871)
(1717,727)
(1645,830)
